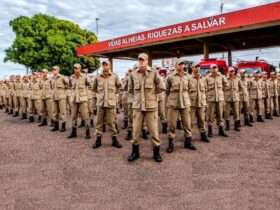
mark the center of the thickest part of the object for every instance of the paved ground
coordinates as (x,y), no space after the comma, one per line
(40,170)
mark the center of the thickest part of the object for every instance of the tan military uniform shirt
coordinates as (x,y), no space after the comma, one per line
(197,92)
(59,85)
(79,88)
(215,87)
(106,90)
(145,87)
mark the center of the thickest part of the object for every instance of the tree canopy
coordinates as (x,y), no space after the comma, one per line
(43,41)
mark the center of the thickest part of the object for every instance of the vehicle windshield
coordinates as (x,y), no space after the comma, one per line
(251,70)
(204,70)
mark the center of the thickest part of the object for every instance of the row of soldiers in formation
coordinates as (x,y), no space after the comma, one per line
(149,101)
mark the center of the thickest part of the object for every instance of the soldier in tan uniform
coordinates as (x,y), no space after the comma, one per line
(256,96)
(129,102)
(144,83)
(162,107)
(244,98)
(2,94)
(24,97)
(47,96)
(197,92)
(5,95)
(178,104)
(59,86)
(91,94)
(216,83)
(124,101)
(34,107)
(10,94)
(16,97)
(274,94)
(79,84)
(232,99)
(267,99)
(106,86)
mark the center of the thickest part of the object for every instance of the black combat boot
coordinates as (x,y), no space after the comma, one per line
(210,131)
(11,112)
(134,154)
(251,118)
(125,124)
(115,142)
(31,119)
(236,126)
(1,107)
(63,127)
(259,118)
(43,123)
(179,125)
(227,125)
(129,135)
(204,137)
(97,142)
(52,123)
(188,144)
(7,110)
(268,116)
(15,114)
(82,124)
(73,133)
(247,122)
(39,118)
(91,123)
(164,127)
(170,147)
(144,134)
(24,116)
(222,132)
(55,127)
(275,114)
(88,133)
(156,155)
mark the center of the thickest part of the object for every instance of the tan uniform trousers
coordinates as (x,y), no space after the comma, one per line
(80,109)
(151,120)
(234,106)
(161,111)
(275,104)
(46,108)
(256,106)
(17,103)
(199,113)
(34,107)
(107,115)
(215,110)
(130,116)
(24,105)
(90,108)
(267,104)
(59,110)
(173,115)
(11,102)
(1,101)
(245,107)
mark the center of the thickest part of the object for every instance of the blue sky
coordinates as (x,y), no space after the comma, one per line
(119,18)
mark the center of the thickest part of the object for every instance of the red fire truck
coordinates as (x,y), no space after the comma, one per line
(251,67)
(206,63)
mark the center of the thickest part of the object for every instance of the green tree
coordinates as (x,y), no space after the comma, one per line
(43,41)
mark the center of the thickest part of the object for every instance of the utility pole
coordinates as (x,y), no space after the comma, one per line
(96,21)
(222,7)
